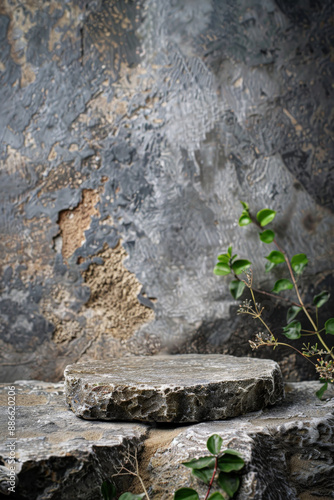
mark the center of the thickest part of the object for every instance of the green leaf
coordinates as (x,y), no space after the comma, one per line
(108,490)
(214,444)
(204,474)
(216,496)
(229,483)
(299,262)
(269,266)
(322,390)
(229,251)
(244,220)
(244,204)
(329,325)
(186,494)
(292,331)
(267,236)
(200,463)
(240,265)
(221,269)
(230,461)
(292,313)
(275,257)
(265,216)
(224,257)
(321,299)
(131,496)
(237,288)
(282,284)
(234,256)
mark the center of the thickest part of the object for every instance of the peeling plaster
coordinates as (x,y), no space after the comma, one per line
(159,116)
(73,223)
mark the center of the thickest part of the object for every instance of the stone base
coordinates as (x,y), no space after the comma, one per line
(288,449)
(181,388)
(58,455)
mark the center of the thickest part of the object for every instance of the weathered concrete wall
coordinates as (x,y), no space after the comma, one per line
(133,128)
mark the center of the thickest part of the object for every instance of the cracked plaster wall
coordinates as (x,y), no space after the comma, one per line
(133,128)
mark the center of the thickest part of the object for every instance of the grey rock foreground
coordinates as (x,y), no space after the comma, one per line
(58,456)
(181,388)
(288,448)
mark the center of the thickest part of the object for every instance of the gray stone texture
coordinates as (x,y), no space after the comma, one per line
(58,456)
(180,388)
(142,124)
(288,448)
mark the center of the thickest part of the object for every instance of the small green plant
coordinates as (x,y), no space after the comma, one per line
(229,264)
(222,466)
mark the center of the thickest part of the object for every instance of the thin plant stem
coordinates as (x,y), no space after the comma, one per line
(301,303)
(265,325)
(212,479)
(259,313)
(288,345)
(263,292)
(132,473)
(277,297)
(300,299)
(254,301)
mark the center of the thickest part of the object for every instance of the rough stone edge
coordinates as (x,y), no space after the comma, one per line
(69,474)
(266,446)
(87,406)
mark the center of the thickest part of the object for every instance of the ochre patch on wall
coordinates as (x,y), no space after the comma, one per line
(56,307)
(74,223)
(113,299)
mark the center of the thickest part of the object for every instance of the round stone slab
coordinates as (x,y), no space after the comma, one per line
(179,388)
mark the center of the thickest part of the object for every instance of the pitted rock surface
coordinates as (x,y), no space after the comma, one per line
(59,456)
(288,450)
(180,388)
